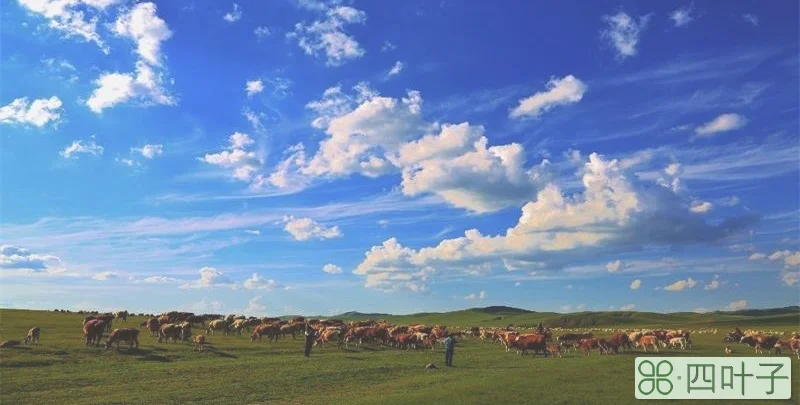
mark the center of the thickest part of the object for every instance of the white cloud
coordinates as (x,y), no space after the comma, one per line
(751,19)
(396,69)
(779,254)
(142,25)
(731,201)
(38,113)
(712,285)
(680,285)
(242,162)
(723,123)
(737,305)
(209,278)
(106,275)
(304,229)
(636,284)
(79,147)
(564,91)
(254,87)
(629,307)
(682,15)
(757,256)
(791,278)
(479,296)
(793,259)
(701,207)
(233,15)
(159,280)
(614,266)
(255,232)
(387,46)
(71,17)
(146,87)
(327,36)
(623,32)
(262,32)
(257,282)
(149,151)
(14,257)
(332,269)
(613,210)
(255,307)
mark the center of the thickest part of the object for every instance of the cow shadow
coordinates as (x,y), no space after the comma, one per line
(219,353)
(354,358)
(142,354)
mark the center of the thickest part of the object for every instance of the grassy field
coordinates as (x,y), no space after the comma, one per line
(234,370)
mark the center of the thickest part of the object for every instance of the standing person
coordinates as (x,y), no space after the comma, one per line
(449,344)
(311,335)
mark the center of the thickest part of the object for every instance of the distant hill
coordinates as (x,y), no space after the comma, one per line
(502,316)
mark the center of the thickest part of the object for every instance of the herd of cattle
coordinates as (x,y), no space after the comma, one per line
(178,326)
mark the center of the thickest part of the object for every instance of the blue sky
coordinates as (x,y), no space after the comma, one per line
(319,157)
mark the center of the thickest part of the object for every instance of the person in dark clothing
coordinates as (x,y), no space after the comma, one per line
(449,344)
(311,335)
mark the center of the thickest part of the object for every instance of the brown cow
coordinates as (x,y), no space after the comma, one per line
(33,335)
(199,342)
(170,331)
(93,331)
(555,350)
(153,326)
(271,331)
(129,335)
(618,340)
(535,342)
(649,340)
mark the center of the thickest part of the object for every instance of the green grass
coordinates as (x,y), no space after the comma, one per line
(234,370)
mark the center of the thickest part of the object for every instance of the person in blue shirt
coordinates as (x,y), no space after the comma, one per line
(449,344)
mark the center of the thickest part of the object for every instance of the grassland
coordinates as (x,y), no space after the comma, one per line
(236,371)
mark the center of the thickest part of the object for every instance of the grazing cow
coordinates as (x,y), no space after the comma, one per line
(186,330)
(217,325)
(93,331)
(794,345)
(535,342)
(33,336)
(271,331)
(153,326)
(328,335)
(197,320)
(122,315)
(107,320)
(554,350)
(728,351)
(677,342)
(618,340)
(649,340)
(10,343)
(170,331)
(163,319)
(129,335)
(199,342)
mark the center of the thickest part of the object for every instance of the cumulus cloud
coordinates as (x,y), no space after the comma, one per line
(623,32)
(238,157)
(106,275)
(737,305)
(479,296)
(149,151)
(699,207)
(629,307)
(327,36)
(373,135)
(790,278)
(332,269)
(75,18)
(613,210)
(142,25)
(258,282)
(563,91)
(262,32)
(15,257)
(79,147)
(38,113)
(396,69)
(614,266)
(304,229)
(253,87)
(682,15)
(722,123)
(681,285)
(209,278)
(233,15)
(712,285)
(635,284)
(757,256)
(145,86)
